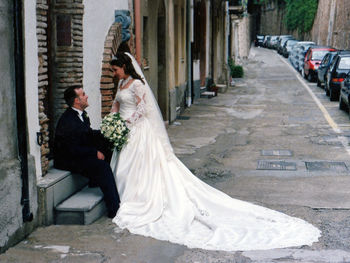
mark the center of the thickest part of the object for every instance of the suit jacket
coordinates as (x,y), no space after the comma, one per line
(75,142)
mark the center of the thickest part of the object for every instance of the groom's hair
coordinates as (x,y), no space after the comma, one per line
(70,94)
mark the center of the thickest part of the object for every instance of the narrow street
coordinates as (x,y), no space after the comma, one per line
(273,139)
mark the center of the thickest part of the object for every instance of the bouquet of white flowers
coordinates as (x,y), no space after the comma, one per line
(114,128)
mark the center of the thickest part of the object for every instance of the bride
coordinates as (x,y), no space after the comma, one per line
(161,198)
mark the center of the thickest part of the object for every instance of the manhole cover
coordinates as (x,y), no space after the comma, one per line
(276,165)
(183,117)
(326,166)
(276,153)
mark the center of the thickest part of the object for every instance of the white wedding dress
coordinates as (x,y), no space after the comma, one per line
(161,198)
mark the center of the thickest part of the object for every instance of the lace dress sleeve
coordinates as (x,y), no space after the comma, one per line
(140,94)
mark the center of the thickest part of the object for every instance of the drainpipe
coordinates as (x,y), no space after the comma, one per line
(189,36)
(21,110)
(137,6)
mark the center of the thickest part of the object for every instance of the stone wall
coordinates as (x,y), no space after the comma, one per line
(43,79)
(332,24)
(272,15)
(271,19)
(12,228)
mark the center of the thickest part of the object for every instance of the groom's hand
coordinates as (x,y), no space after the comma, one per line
(100,155)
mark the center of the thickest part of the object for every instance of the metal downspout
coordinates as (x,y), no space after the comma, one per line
(137,6)
(21,110)
(189,6)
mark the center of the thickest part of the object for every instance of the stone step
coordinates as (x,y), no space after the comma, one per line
(56,186)
(207,94)
(221,88)
(82,208)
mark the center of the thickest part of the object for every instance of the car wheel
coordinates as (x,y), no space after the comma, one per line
(332,95)
(318,83)
(326,89)
(309,77)
(342,105)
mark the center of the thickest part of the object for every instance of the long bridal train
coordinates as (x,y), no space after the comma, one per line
(161,198)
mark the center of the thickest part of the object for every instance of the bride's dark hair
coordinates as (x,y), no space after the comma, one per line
(122,60)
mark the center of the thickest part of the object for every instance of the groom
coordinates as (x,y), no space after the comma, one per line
(78,148)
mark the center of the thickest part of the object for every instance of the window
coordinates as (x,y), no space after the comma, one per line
(64,30)
(344,63)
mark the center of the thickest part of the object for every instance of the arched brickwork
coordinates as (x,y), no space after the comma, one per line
(107,83)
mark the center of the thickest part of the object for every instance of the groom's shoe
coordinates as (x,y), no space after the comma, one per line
(92,184)
(111,214)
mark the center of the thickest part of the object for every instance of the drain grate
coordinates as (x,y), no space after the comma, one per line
(326,166)
(183,117)
(276,165)
(276,153)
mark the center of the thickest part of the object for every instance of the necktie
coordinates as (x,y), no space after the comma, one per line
(85,117)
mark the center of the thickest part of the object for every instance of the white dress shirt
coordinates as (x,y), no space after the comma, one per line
(80,113)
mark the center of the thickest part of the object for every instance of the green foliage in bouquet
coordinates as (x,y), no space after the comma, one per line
(236,71)
(114,128)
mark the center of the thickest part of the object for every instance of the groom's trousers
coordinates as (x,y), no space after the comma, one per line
(100,173)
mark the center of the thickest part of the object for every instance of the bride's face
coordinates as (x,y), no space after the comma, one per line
(119,72)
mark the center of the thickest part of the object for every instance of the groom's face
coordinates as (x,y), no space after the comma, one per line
(81,101)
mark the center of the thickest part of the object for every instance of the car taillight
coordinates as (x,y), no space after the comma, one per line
(338,79)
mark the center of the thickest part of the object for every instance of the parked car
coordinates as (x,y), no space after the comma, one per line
(324,66)
(287,47)
(266,40)
(297,53)
(302,54)
(272,43)
(280,42)
(313,58)
(259,39)
(336,74)
(344,98)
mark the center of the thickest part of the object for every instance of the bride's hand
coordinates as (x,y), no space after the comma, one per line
(115,106)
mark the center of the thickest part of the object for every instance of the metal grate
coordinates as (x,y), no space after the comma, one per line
(276,153)
(326,166)
(183,117)
(276,165)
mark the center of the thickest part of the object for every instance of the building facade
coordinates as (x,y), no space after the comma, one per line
(49,45)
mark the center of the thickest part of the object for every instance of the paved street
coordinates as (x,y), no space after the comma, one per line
(273,139)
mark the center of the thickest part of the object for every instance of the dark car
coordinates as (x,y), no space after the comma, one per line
(313,58)
(280,42)
(266,40)
(344,98)
(324,66)
(336,74)
(259,40)
(287,47)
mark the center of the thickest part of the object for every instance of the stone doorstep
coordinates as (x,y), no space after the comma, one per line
(222,88)
(83,208)
(207,94)
(55,187)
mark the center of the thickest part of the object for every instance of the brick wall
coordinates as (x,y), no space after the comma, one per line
(107,86)
(41,29)
(60,54)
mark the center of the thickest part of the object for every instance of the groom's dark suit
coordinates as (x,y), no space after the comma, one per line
(75,149)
